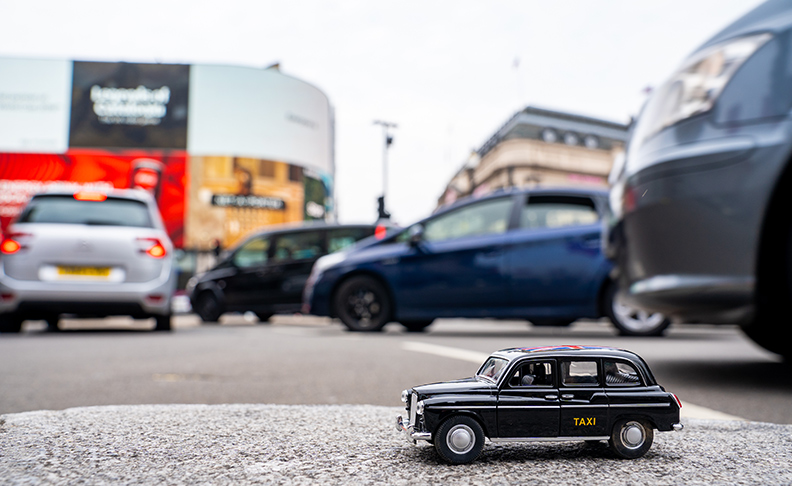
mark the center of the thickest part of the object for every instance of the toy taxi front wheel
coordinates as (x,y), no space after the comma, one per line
(459,440)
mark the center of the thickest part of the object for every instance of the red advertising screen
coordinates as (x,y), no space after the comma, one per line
(163,173)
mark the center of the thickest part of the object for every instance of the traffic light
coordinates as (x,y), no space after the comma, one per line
(382,214)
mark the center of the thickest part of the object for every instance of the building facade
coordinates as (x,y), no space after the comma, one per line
(224,150)
(541,147)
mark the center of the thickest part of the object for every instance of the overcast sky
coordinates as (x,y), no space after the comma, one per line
(449,73)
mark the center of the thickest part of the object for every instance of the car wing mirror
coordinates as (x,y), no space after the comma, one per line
(416,234)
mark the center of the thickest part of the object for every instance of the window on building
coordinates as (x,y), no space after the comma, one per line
(266,168)
(295,173)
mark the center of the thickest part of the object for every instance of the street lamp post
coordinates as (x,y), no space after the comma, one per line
(386,126)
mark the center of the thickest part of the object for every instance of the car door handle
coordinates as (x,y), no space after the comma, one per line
(551,397)
(567,396)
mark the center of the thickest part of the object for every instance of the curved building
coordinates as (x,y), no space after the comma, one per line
(224,149)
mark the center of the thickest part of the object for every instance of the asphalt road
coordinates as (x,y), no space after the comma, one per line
(304,360)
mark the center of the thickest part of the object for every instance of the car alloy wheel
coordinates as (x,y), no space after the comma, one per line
(459,440)
(363,304)
(631,438)
(630,321)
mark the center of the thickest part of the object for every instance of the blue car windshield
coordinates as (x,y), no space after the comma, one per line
(492,369)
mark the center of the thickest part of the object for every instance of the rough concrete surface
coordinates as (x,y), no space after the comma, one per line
(351,444)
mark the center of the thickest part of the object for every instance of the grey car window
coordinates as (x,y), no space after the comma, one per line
(67,210)
(483,218)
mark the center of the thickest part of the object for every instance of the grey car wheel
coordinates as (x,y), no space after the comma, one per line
(630,321)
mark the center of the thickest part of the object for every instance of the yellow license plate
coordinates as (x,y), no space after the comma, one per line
(96,272)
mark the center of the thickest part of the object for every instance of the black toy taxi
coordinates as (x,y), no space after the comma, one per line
(557,393)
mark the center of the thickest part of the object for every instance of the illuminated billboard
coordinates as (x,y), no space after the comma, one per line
(224,150)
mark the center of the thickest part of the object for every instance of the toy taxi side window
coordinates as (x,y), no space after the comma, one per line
(579,373)
(533,374)
(618,373)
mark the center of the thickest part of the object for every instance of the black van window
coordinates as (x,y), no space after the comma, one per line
(305,245)
(338,239)
(252,253)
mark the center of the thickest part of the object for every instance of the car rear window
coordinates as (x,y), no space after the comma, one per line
(67,210)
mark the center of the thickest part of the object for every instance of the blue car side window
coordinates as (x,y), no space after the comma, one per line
(484,218)
(557,212)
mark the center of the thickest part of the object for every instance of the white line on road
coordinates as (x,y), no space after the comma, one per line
(445,351)
(689,410)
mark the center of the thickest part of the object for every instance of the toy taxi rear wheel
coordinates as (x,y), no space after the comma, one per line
(631,438)
(459,440)
(363,304)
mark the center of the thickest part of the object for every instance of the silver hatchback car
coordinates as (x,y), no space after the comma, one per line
(87,254)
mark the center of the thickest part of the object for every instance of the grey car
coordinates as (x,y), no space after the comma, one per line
(701,228)
(87,254)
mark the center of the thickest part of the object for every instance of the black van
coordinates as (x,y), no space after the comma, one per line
(266,273)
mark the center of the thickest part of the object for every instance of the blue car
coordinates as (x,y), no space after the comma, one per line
(522,254)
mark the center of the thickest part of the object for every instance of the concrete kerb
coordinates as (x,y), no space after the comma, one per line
(351,444)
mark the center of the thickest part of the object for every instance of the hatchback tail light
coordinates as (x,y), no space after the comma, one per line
(677,400)
(152,247)
(12,243)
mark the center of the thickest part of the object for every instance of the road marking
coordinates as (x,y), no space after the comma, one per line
(445,351)
(697,412)
(689,410)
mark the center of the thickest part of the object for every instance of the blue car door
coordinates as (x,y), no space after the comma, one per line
(459,267)
(555,258)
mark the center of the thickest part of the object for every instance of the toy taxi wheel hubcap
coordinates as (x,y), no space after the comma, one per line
(632,435)
(461,439)
(636,320)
